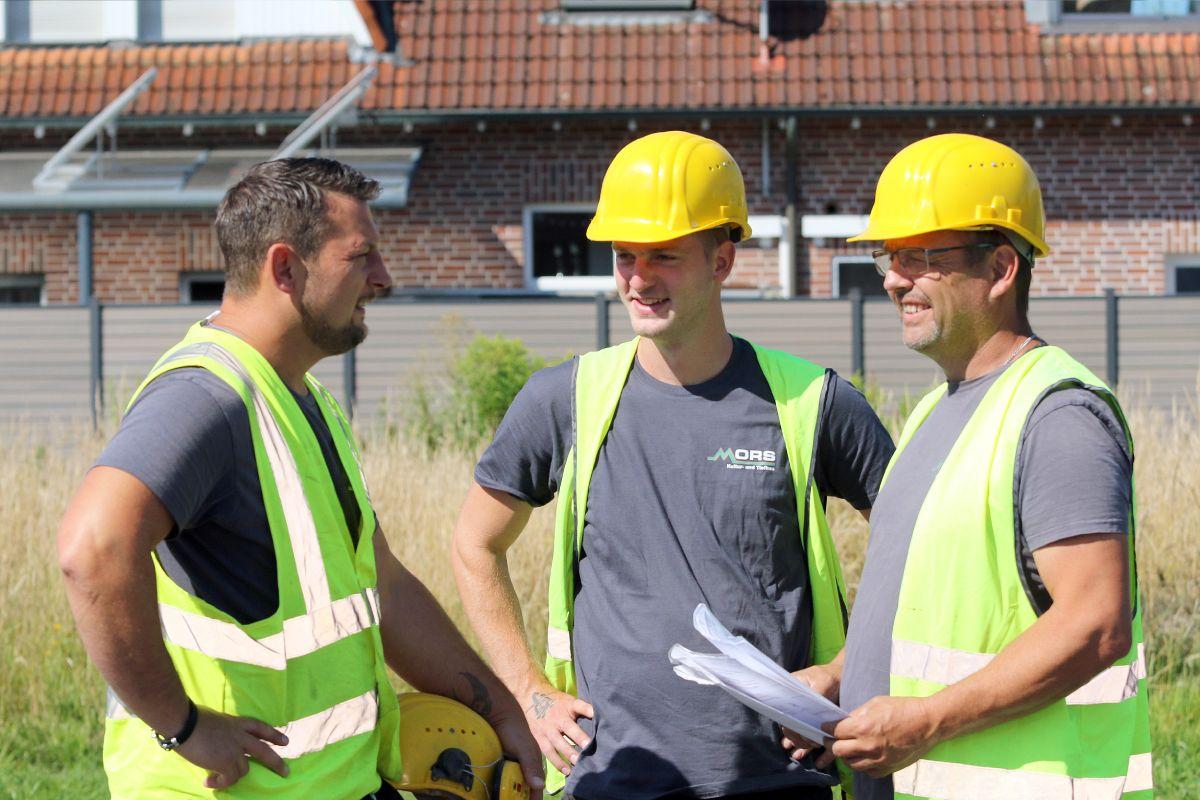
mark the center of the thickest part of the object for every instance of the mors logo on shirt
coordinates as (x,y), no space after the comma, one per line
(741,458)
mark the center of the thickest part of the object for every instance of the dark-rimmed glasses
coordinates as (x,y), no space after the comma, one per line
(916,261)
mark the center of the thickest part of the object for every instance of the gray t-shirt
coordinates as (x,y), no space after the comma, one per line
(188,439)
(1073,476)
(669,525)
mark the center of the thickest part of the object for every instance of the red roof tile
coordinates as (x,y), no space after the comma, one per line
(910,53)
(512,55)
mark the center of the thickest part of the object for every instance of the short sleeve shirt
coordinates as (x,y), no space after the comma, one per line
(670,524)
(1073,477)
(187,438)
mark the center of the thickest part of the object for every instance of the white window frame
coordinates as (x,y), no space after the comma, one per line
(763,226)
(1173,264)
(189,279)
(846,259)
(24,280)
(555,283)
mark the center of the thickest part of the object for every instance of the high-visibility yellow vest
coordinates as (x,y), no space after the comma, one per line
(963,600)
(315,668)
(797,386)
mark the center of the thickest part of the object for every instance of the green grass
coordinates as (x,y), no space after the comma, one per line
(52,700)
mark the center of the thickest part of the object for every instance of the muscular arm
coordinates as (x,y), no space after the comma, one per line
(1085,630)
(104,543)
(489,523)
(422,645)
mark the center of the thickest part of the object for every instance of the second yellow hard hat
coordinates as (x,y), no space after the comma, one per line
(666,185)
(957,181)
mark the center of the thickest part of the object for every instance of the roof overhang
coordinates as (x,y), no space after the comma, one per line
(77,177)
(131,182)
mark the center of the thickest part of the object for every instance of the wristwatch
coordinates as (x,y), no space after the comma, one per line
(189,725)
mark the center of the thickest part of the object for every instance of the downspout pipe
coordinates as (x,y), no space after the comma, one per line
(791,182)
(84,249)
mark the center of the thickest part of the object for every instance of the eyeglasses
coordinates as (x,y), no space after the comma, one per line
(916,261)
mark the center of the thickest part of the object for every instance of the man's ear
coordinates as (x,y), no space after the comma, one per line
(284,269)
(723,259)
(1005,266)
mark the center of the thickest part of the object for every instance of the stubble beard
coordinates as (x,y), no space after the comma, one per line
(331,339)
(924,343)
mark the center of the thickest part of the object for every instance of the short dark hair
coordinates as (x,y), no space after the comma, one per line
(1024,266)
(281,201)
(714,238)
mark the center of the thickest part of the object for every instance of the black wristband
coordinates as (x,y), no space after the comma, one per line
(189,725)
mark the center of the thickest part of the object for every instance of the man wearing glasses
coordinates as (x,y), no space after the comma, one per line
(995,647)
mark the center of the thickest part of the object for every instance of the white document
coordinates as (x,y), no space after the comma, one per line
(742,670)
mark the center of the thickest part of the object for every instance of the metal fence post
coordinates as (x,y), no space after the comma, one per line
(858,349)
(1112,339)
(350,380)
(601,321)
(96,348)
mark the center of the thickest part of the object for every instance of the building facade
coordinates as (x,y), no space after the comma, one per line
(495,120)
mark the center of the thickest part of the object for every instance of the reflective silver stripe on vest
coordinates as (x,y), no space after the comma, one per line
(949,781)
(558,643)
(114,708)
(308,734)
(1113,685)
(302,529)
(945,665)
(348,718)
(299,637)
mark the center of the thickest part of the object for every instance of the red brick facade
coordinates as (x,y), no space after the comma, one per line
(1121,199)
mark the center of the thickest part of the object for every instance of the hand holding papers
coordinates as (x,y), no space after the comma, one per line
(742,670)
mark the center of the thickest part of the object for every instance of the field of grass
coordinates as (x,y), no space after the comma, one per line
(51,700)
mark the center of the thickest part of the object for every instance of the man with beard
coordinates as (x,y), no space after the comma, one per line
(222,558)
(995,649)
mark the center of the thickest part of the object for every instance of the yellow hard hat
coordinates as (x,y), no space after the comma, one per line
(450,751)
(956,181)
(667,185)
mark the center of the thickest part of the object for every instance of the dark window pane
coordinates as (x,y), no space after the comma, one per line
(204,290)
(1187,280)
(561,246)
(859,275)
(20,295)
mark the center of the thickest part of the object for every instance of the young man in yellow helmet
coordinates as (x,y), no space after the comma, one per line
(690,466)
(222,558)
(995,649)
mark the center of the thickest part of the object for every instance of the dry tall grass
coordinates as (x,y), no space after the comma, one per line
(51,699)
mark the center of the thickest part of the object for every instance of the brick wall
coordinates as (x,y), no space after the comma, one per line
(1119,199)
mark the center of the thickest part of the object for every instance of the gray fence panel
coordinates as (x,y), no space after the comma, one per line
(45,356)
(818,330)
(408,339)
(1074,324)
(1160,349)
(890,366)
(135,336)
(45,363)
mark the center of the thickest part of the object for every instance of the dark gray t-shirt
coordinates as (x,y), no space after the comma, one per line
(188,439)
(1072,478)
(669,525)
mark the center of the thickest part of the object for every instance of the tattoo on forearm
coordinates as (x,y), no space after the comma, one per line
(541,704)
(480,701)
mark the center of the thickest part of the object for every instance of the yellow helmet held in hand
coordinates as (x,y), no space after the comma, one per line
(666,185)
(956,181)
(449,751)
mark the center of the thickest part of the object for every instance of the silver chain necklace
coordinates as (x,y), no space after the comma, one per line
(1019,348)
